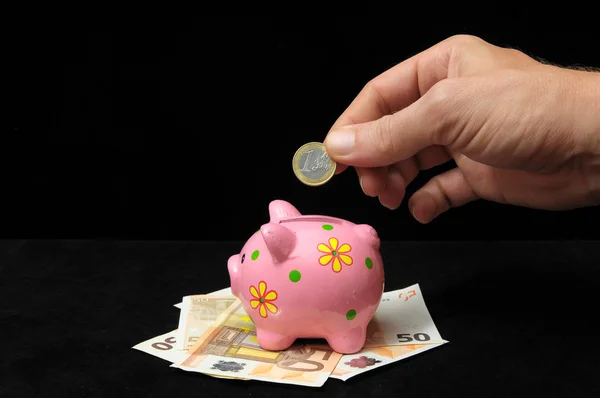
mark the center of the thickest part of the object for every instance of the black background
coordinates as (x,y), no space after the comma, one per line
(187,131)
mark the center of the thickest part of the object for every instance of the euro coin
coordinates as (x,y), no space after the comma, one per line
(311,164)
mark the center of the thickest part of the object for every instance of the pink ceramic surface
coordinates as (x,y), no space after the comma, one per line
(309,277)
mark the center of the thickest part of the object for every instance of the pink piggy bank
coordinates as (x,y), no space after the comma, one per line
(309,277)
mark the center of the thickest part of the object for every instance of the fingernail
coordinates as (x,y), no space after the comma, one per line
(340,142)
(384,205)
(361,184)
(411,207)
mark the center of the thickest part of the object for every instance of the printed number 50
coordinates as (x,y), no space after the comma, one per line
(406,337)
(165,345)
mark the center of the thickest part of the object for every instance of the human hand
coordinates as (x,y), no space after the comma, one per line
(521,132)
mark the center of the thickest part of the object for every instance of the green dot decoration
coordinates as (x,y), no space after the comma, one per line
(327,227)
(255,254)
(350,315)
(295,275)
(369,262)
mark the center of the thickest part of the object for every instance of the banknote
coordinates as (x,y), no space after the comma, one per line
(223,292)
(229,347)
(197,313)
(402,318)
(372,358)
(163,347)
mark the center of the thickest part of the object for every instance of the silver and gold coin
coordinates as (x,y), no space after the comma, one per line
(312,165)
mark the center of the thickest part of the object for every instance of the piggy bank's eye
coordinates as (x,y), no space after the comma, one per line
(243,257)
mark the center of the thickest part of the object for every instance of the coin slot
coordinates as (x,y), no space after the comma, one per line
(321,219)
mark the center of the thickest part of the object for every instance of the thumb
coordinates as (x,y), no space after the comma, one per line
(431,120)
(381,142)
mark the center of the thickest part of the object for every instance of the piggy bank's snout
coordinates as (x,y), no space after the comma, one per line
(232,265)
(233,268)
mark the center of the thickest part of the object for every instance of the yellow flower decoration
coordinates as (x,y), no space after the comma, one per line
(262,300)
(335,253)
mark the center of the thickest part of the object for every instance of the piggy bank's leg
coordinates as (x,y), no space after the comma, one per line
(348,341)
(272,341)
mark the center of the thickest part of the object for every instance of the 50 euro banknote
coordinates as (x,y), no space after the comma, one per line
(164,347)
(372,358)
(229,347)
(197,314)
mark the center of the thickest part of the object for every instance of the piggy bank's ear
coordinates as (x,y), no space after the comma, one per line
(368,234)
(280,209)
(280,241)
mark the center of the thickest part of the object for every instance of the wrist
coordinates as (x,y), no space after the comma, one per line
(587,116)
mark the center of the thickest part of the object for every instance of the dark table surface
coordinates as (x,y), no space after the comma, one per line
(519,317)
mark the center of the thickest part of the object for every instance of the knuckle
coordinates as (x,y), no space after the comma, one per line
(463,47)
(513,52)
(373,89)
(370,86)
(465,40)
(444,200)
(442,107)
(441,95)
(367,87)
